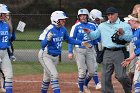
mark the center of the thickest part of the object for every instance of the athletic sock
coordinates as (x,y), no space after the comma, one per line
(55,86)
(81,83)
(137,87)
(8,87)
(44,87)
(95,78)
(86,81)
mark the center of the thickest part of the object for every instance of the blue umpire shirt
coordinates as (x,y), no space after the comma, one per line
(107,29)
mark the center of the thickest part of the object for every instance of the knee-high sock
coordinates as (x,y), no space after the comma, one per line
(44,87)
(96,79)
(81,83)
(137,87)
(55,86)
(8,87)
(86,81)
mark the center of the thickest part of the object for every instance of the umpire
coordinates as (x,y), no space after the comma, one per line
(113,54)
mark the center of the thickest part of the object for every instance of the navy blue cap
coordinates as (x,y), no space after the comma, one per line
(111,10)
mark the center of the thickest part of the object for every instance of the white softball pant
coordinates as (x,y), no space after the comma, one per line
(49,63)
(86,60)
(6,67)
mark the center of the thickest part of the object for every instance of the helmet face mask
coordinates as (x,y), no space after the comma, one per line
(56,16)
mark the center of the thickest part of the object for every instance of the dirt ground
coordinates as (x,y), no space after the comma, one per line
(32,83)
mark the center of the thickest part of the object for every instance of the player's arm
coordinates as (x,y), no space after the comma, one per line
(45,37)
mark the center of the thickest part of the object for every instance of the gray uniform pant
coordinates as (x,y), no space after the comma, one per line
(86,60)
(48,63)
(112,62)
(6,67)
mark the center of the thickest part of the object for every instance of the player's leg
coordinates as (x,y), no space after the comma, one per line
(80,60)
(91,67)
(96,78)
(45,82)
(46,75)
(2,89)
(137,80)
(132,66)
(6,67)
(49,63)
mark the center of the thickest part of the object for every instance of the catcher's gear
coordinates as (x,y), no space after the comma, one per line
(115,39)
(56,16)
(49,36)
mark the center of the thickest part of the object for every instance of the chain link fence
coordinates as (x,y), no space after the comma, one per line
(26,45)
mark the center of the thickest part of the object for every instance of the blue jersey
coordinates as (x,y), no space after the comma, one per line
(4,35)
(136,41)
(54,46)
(78,33)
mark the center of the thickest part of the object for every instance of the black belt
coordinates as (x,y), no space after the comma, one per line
(3,48)
(53,55)
(113,49)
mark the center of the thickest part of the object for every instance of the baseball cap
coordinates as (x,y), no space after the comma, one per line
(111,10)
(95,14)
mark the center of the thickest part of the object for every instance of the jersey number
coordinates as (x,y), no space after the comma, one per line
(59,44)
(5,39)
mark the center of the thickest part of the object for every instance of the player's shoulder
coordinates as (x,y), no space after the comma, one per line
(91,23)
(77,24)
(49,27)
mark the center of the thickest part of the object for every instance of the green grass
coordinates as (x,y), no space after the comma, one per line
(28,68)
(30,35)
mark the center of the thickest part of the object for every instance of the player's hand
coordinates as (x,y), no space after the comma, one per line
(49,36)
(86,30)
(126,62)
(138,65)
(86,44)
(70,56)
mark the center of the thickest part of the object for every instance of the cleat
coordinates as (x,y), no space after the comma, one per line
(86,89)
(98,86)
(81,92)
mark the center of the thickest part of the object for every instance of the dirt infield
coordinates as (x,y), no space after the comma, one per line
(32,83)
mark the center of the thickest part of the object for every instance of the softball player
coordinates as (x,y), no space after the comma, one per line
(95,16)
(51,43)
(85,57)
(132,65)
(5,34)
(134,22)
